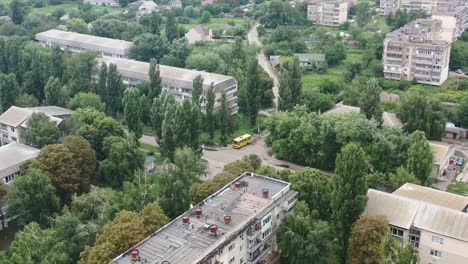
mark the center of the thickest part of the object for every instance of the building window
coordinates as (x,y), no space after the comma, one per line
(266,220)
(436,253)
(220,252)
(14,139)
(414,237)
(232,260)
(5,136)
(12,129)
(398,233)
(437,240)
(4,127)
(266,233)
(231,247)
(241,248)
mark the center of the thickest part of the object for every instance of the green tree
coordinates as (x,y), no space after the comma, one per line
(303,238)
(366,240)
(224,118)
(335,54)
(400,177)
(210,115)
(420,157)
(172,28)
(101,86)
(363,14)
(158,111)
(41,131)
(135,195)
(148,46)
(32,198)
(9,89)
(17,10)
(54,92)
(197,90)
(114,90)
(153,218)
(85,100)
(146,110)
(57,62)
(285,96)
(154,86)
(176,181)
(458,56)
(31,244)
(77,25)
(369,101)
(155,23)
(315,101)
(205,17)
(315,189)
(252,91)
(349,189)
(133,112)
(295,81)
(394,252)
(462,112)
(79,72)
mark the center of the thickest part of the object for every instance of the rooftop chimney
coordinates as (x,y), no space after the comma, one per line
(186,220)
(265,192)
(198,212)
(227,219)
(214,229)
(237,185)
(135,255)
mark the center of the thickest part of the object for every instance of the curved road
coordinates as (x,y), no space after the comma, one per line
(252,38)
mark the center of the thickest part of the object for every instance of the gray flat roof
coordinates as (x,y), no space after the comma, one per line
(14,116)
(13,155)
(184,244)
(418,28)
(52,110)
(174,76)
(85,42)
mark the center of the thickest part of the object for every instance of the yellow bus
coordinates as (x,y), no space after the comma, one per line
(242,141)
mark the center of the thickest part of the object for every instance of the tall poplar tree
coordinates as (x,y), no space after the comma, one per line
(172,28)
(253,90)
(224,117)
(210,117)
(349,189)
(114,90)
(369,101)
(101,87)
(197,90)
(285,96)
(295,81)
(155,85)
(420,157)
(133,111)
(9,90)
(17,11)
(53,92)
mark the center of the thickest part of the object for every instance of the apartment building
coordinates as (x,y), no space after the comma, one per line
(388,7)
(454,22)
(416,52)
(435,222)
(237,224)
(76,42)
(177,81)
(327,12)
(13,122)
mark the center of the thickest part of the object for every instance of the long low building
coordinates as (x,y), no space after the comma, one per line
(177,81)
(76,42)
(435,222)
(237,224)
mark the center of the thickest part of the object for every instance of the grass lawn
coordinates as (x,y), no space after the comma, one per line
(215,23)
(458,188)
(151,150)
(149,147)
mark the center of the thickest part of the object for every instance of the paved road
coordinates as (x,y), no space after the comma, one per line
(252,38)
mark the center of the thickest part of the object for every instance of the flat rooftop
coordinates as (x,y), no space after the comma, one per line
(86,42)
(420,31)
(180,243)
(180,77)
(13,155)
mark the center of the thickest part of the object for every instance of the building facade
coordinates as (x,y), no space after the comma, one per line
(76,42)
(433,221)
(113,3)
(327,12)
(177,81)
(454,22)
(388,7)
(237,224)
(199,33)
(13,122)
(415,52)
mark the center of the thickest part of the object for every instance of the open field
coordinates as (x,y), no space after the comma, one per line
(215,23)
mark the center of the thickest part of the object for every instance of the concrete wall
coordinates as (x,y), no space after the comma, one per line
(453,251)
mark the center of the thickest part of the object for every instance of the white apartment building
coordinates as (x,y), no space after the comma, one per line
(13,122)
(435,222)
(76,42)
(416,52)
(327,12)
(237,224)
(454,22)
(388,7)
(177,81)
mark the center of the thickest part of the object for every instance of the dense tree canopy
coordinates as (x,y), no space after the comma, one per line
(41,131)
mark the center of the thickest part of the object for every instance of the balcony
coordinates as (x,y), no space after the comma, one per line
(259,254)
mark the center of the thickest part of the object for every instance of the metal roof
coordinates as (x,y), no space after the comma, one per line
(406,212)
(13,155)
(14,116)
(85,42)
(52,110)
(433,196)
(170,76)
(183,244)
(441,151)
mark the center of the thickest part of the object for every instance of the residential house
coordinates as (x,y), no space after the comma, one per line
(236,224)
(13,122)
(442,153)
(76,42)
(11,158)
(389,119)
(275,62)
(456,133)
(309,59)
(327,12)
(113,3)
(199,33)
(147,7)
(435,222)
(208,2)
(177,81)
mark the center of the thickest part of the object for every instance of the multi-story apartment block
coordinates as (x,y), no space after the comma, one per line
(76,42)
(13,122)
(454,22)
(177,81)
(388,7)
(415,52)
(237,224)
(435,222)
(327,12)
